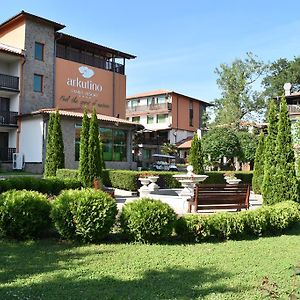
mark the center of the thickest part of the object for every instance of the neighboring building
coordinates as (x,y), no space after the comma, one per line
(168,117)
(43,69)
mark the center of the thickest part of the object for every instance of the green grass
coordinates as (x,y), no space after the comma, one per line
(49,269)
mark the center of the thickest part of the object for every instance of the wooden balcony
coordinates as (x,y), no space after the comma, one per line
(157,108)
(9,83)
(8,118)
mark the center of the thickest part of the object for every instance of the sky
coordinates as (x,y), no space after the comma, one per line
(178,44)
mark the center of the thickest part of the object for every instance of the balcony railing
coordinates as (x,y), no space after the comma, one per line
(145,108)
(8,82)
(6,154)
(293,108)
(8,118)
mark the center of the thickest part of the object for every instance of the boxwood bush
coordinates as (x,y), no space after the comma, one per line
(24,214)
(147,220)
(87,215)
(50,186)
(262,221)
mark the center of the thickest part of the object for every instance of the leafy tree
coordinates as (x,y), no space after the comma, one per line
(258,173)
(221,142)
(278,73)
(168,149)
(296,143)
(248,144)
(84,148)
(196,155)
(269,153)
(94,149)
(238,96)
(55,146)
(285,182)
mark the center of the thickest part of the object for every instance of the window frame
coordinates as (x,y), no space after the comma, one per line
(35,52)
(35,75)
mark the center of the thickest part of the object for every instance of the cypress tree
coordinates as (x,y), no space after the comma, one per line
(49,163)
(83,152)
(55,158)
(285,181)
(58,143)
(258,173)
(196,155)
(269,157)
(103,167)
(94,149)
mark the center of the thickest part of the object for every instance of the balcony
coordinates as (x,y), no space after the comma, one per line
(294,109)
(6,154)
(164,107)
(8,118)
(9,83)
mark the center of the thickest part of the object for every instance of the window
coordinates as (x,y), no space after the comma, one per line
(150,119)
(136,119)
(38,83)
(114,143)
(39,51)
(162,118)
(191,114)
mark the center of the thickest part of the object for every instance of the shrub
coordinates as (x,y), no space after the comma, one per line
(24,214)
(147,220)
(67,173)
(265,220)
(50,186)
(87,214)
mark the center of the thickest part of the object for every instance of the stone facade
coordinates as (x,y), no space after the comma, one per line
(44,34)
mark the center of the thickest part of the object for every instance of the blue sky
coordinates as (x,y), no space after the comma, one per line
(178,44)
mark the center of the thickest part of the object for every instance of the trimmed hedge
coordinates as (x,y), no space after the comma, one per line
(24,214)
(87,215)
(262,221)
(128,180)
(50,186)
(147,220)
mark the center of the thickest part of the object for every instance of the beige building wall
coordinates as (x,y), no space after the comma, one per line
(14,34)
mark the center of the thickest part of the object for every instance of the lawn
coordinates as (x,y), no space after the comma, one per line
(49,269)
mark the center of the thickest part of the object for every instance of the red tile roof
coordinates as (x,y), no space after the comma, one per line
(75,114)
(10,49)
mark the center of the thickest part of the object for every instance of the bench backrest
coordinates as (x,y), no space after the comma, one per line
(222,196)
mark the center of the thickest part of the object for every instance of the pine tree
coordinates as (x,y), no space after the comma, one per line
(49,164)
(83,152)
(269,157)
(258,173)
(94,149)
(196,155)
(55,158)
(285,181)
(103,167)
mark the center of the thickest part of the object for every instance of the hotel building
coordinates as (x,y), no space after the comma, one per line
(168,117)
(43,69)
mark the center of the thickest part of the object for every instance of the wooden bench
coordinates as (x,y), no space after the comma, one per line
(220,196)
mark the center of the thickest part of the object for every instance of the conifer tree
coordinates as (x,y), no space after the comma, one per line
(103,167)
(83,152)
(94,149)
(49,163)
(269,154)
(196,155)
(285,181)
(55,158)
(258,173)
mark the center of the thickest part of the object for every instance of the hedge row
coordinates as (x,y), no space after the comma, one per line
(88,215)
(262,221)
(128,180)
(50,186)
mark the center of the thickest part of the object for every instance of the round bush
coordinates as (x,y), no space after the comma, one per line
(86,214)
(24,214)
(147,220)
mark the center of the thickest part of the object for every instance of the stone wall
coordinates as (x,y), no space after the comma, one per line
(41,33)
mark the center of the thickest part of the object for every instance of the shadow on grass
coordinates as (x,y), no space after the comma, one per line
(172,283)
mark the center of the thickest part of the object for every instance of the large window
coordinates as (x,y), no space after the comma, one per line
(150,119)
(114,143)
(136,119)
(37,83)
(39,51)
(162,118)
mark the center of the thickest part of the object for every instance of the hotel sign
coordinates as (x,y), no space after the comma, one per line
(79,86)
